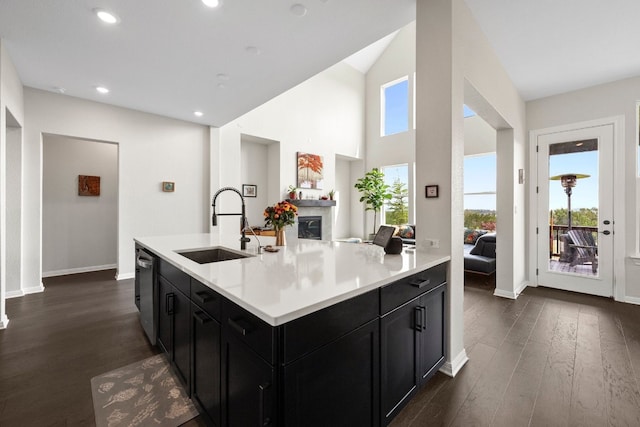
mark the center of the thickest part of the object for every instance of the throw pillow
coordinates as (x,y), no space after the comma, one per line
(406,232)
(472,236)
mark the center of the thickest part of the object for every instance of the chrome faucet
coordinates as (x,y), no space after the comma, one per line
(243,217)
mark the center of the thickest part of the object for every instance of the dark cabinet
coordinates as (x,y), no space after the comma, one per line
(206,369)
(336,385)
(399,354)
(174,328)
(249,386)
(412,349)
(354,363)
(165,320)
(432,344)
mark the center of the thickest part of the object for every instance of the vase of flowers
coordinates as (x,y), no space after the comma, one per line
(279,216)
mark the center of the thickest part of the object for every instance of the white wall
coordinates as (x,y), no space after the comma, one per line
(79,233)
(598,102)
(152,149)
(322,115)
(479,137)
(398,60)
(254,169)
(14,210)
(344,183)
(453,53)
(11,99)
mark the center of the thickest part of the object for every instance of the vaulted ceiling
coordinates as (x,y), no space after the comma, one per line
(175,57)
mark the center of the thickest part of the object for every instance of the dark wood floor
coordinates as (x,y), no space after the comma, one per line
(548,358)
(81,326)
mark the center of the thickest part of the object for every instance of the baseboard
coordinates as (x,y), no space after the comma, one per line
(632,300)
(4,322)
(522,287)
(34,289)
(78,270)
(25,291)
(451,368)
(14,294)
(125,276)
(505,294)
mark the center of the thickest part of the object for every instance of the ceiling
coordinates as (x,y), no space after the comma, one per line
(549,46)
(176,57)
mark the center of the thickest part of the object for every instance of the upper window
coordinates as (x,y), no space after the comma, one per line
(394,99)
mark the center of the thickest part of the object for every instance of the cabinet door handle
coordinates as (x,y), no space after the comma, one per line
(201,317)
(419,283)
(203,297)
(424,317)
(261,389)
(417,318)
(238,327)
(170,299)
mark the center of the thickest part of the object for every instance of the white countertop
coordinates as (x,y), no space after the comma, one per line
(299,279)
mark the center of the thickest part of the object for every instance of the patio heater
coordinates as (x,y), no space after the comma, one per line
(568,181)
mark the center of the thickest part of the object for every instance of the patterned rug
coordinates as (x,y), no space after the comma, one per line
(145,393)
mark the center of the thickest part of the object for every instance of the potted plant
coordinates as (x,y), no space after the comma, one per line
(331,194)
(374,192)
(292,192)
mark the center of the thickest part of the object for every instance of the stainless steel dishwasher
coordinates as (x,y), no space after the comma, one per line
(146,292)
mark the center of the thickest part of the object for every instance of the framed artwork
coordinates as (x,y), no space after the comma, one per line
(310,171)
(88,185)
(431,191)
(249,190)
(168,186)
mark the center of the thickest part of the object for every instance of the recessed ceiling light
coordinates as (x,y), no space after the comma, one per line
(105,16)
(211,3)
(298,9)
(59,89)
(198,113)
(222,76)
(102,89)
(252,50)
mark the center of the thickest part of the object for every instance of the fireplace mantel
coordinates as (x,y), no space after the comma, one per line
(312,203)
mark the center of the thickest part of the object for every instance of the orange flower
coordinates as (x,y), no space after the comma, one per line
(280,215)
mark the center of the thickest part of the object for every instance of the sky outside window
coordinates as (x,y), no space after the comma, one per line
(395,107)
(480,177)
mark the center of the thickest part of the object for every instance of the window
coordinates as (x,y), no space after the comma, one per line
(394,107)
(396,210)
(480,192)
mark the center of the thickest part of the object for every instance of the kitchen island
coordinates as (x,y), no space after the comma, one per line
(319,333)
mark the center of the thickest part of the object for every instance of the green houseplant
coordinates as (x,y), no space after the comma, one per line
(374,192)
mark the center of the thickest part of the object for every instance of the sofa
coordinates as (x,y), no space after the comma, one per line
(480,254)
(479,248)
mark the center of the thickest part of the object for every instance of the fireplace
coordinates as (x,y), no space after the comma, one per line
(310,227)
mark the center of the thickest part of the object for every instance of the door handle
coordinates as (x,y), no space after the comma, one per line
(417,319)
(203,297)
(606,222)
(169,302)
(418,283)
(262,388)
(201,317)
(606,232)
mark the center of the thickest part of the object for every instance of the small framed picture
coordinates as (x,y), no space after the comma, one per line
(249,190)
(168,186)
(431,191)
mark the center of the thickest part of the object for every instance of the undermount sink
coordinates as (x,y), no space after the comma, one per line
(217,254)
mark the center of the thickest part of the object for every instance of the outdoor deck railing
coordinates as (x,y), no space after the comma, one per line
(555,243)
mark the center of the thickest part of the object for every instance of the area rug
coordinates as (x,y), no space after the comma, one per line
(145,393)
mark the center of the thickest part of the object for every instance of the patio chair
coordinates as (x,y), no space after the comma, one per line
(585,248)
